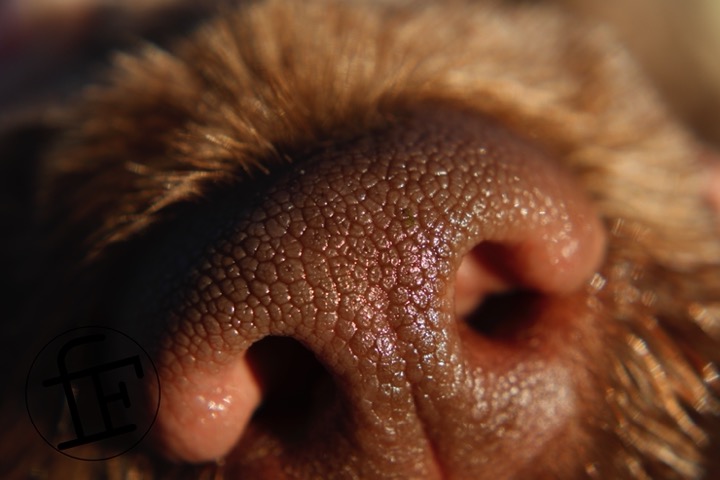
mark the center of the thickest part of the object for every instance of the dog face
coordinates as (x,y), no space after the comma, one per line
(383,240)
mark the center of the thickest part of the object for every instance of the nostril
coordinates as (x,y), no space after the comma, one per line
(481,273)
(296,387)
(491,295)
(505,316)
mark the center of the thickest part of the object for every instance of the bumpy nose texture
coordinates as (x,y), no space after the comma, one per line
(354,252)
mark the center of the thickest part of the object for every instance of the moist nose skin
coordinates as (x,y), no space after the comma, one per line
(426,274)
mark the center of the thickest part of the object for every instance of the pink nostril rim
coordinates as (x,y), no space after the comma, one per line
(350,281)
(499,274)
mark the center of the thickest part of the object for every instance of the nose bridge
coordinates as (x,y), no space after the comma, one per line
(369,268)
(362,266)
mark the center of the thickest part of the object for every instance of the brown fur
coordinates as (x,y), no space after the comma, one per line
(252,88)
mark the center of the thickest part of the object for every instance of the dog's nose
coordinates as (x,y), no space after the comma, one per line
(390,304)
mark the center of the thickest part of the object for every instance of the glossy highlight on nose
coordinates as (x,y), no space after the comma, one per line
(369,254)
